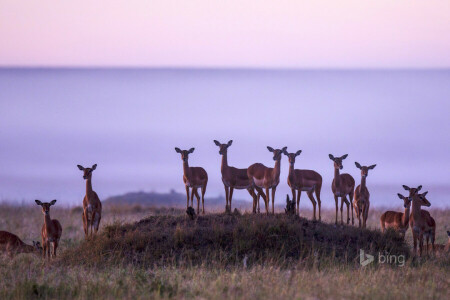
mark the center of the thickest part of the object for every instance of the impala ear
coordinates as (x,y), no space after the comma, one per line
(191,150)
(94,167)
(53,202)
(217,143)
(229,143)
(284,149)
(357,165)
(372,167)
(424,194)
(400,196)
(285,152)
(270,148)
(406,187)
(331,156)
(419,188)
(178,150)
(344,156)
(38,202)
(298,152)
(80,167)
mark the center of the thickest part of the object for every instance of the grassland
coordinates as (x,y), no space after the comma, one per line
(119,264)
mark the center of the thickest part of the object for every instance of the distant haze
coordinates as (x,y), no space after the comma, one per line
(129,121)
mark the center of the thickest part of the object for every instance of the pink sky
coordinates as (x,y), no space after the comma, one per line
(244,33)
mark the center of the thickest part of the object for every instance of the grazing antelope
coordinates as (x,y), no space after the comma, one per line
(12,244)
(420,223)
(308,181)
(361,201)
(441,249)
(51,230)
(233,178)
(343,185)
(397,220)
(267,178)
(92,206)
(193,177)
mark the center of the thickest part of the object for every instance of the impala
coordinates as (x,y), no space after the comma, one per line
(193,177)
(51,230)
(441,249)
(361,201)
(233,178)
(266,178)
(431,232)
(92,207)
(397,220)
(308,181)
(343,185)
(12,244)
(418,221)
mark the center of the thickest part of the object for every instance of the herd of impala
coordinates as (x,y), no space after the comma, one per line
(258,180)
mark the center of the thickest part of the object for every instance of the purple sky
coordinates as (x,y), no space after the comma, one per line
(234,33)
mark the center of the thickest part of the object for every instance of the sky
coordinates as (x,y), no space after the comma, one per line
(229,34)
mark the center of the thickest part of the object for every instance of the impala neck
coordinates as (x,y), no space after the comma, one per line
(363,183)
(336,177)
(186,169)
(291,170)
(89,186)
(276,168)
(415,209)
(405,218)
(47,221)
(224,162)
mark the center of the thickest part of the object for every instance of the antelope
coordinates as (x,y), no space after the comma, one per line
(308,181)
(441,249)
(431,233)
(361,201)
(12,244)
(193,177)
(268,178)
(51,230)
(233,178)
(343,185)
(92,206)
(397,220)
(419,221)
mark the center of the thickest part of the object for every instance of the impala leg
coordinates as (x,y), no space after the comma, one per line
(227,196)
(414,234)
(420,243)
(293,199)
(433,235)
(85,225)
(194,191)
(231,196)
(366,214)
(203,197)
(48,251)
(187,195)
(273,199)
(348,208)
(44,249)
(342,209)
(299,193)
(336,200)
(197,196)
(427,237)
(251,192)
(319,202)
(260,194)
(267,200)
(313,201)
(55,246)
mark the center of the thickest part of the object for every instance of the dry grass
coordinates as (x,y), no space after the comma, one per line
(26,277)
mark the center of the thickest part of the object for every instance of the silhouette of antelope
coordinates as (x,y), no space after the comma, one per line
(397,220)
(193,177)
(92,206)
(343,185)
(11,244)
(361,201)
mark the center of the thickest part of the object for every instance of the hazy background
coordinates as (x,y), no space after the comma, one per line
(121,84)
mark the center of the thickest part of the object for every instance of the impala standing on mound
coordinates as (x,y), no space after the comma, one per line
(418,221)
(267,178)
(361,202)
(303,180)
(12,244)
(92,207)
(343,185)
(51,230)
(193,177)
(431,232)
(397,220)
(232,178)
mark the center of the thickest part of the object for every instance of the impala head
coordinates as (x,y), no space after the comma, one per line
(37,246)
(184,153)
(406,201)
(87,172)
(223,147)
(277,152)
(412,191)
(338,160)
(292,156)
(364,169)
(45,206)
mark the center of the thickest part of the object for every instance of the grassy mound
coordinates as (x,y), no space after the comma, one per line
(225,240)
